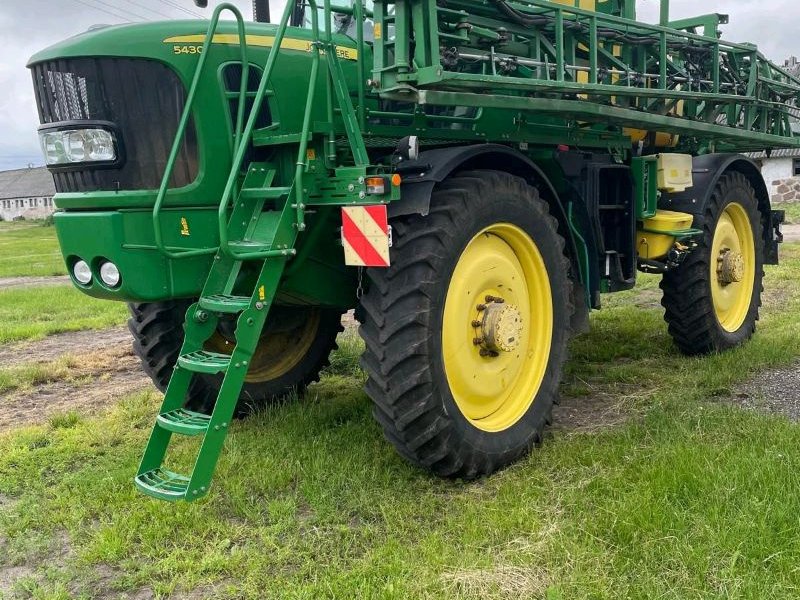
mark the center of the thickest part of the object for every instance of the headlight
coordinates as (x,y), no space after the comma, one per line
(82,272)
(66,146)
(109,273)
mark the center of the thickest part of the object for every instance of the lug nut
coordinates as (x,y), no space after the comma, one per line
(490,298)
(477,341)
(481,307)
(477,323)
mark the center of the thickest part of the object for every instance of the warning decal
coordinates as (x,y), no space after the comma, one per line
(365,236)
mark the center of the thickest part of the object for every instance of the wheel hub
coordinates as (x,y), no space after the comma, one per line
(499,327)
(731,267)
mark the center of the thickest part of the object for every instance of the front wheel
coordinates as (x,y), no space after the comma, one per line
(711,302)
(294,348)
(466,332)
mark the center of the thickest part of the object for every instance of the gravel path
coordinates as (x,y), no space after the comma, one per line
(18,282)
(776,391)
(791,233)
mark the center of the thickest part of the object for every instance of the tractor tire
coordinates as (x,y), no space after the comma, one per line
(711,302)
(289,358)
(488,263)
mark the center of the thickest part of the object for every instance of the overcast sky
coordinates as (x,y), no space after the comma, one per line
(30,25)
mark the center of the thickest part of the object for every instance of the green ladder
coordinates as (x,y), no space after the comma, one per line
(247,232)
(266,235)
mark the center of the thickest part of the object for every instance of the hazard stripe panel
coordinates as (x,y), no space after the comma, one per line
(365,236)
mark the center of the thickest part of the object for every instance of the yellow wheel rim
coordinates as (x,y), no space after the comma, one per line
(277,353)
(733,267)
(497,327)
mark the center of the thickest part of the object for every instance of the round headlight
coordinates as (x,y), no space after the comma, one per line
(109,273)
(82,272)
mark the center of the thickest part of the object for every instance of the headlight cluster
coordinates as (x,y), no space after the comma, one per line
(109,273)
(67,146)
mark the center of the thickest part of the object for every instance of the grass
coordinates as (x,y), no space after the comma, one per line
(35,312)
(29,248)
(792,212)
(692,497)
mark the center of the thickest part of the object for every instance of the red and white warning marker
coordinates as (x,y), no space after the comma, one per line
(365,235)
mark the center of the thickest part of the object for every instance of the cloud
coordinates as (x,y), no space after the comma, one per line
(32,25)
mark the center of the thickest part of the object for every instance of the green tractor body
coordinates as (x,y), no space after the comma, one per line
(470,176)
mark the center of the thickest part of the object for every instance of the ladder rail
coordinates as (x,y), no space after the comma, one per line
(186,115)
(241,149)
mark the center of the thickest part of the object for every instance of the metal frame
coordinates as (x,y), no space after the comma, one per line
(585,65)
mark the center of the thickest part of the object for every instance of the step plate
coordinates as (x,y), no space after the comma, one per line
(225,304)
(184,421)
(205,362)
(162,484)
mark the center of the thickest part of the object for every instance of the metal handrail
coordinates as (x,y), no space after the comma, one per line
(243,134)
(251,121)
(187,110)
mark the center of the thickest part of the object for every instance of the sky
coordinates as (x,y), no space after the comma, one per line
(30,25)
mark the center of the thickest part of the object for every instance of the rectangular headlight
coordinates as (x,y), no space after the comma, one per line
(68,146)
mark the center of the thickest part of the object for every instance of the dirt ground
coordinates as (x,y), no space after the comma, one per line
(95,369)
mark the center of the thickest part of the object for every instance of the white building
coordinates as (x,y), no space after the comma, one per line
(781,168)
(26,193)
(781,171)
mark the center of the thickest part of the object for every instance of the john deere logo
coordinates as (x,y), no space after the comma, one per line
(184,226)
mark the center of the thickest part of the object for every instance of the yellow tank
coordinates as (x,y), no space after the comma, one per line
(654,240)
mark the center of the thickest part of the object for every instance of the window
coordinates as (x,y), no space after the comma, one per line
(232,78)
(796,167)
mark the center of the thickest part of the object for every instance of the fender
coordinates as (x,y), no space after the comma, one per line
(420,177)
(707,171)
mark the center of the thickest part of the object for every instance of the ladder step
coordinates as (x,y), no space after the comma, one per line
(184,421)
(220,303)
(269,193)
(248,246)
(203,361)
(163,484)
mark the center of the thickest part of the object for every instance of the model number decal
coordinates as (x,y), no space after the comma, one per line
(187,49)
(193,44)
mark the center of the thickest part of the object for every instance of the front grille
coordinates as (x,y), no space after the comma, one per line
(144,100)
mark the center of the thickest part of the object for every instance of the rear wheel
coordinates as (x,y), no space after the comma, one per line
(711,303)
(294,349)
(466,332)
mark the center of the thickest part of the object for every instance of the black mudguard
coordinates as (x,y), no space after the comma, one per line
(706,171)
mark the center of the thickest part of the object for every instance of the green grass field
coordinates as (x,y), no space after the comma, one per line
(34,312)
(29,248)
(689,497)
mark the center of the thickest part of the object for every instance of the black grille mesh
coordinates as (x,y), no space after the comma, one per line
(144,99)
